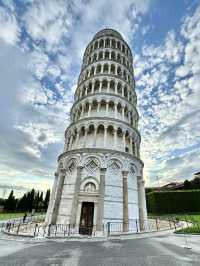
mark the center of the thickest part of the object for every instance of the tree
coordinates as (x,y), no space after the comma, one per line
(46,200)
(10,202)
(196,183)
(187,184)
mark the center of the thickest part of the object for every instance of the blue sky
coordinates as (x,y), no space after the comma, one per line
(41,48)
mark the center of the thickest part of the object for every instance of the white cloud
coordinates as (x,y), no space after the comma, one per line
(169,105)
(9,29)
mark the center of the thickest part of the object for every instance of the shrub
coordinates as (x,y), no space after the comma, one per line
(183,201)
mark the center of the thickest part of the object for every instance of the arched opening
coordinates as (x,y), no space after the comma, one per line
(107,42)
(107,55)
(119,45)
(89,88)
(96,86)
(105,69)
(113,43)
(119,58)
(101,43)
(92,72)
(98,71)
(112,86)
(112,70)
(113,57)
(95,57)
(119,72)
(104,85)
(101,55)
(96,45)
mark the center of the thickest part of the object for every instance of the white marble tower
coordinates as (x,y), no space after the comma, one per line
(100,175)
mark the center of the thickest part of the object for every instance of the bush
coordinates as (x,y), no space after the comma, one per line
(173,201)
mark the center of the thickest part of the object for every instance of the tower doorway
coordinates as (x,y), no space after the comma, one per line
(86,220)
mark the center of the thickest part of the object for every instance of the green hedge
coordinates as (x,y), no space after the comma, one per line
(173,201)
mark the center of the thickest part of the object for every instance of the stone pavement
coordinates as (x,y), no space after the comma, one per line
(158,250)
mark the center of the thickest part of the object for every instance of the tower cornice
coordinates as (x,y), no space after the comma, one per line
(104,120)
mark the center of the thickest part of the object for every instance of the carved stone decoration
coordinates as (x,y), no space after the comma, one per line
(114,167)
(90,187)
(91,167)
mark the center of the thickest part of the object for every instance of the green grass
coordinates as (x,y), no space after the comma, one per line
(13,215)
(7,216)
(195,229)
(190,217)
(193,217)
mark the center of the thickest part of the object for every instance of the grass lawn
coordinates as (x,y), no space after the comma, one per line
(193,217)
(12,215)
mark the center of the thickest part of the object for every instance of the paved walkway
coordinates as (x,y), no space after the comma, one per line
(158,250)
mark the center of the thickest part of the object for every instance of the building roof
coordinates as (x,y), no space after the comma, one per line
(198,173)
(109,32)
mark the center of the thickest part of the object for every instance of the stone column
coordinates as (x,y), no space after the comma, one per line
(95,137)
(123,112)
(105,136)
(58,193)
(123,91)
(77,138)
(115,110)
(116,83)
(89,109)
(107,106)
(81,93)
(124,140)
(85,138)
(100,87)
(129,117)
(115,138)
(98,107)
(86,90)
(109,67)
(138,150)
(70,142)
(142,203)
(92,88)
(82,111)
(75,199)
(108,88)
(125,201)
(52,197)
(131,147)
(100,212)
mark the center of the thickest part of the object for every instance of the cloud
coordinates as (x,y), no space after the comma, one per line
(10,31)
(168,79)
(46,41)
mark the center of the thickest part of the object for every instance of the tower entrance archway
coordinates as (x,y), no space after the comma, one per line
(86,219)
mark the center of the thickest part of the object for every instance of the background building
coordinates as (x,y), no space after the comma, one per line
(100,175)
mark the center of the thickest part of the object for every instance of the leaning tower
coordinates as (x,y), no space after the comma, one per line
(99,178)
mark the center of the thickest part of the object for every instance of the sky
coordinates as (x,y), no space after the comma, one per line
(41,47)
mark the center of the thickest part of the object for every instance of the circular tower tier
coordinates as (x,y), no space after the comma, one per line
(99,176)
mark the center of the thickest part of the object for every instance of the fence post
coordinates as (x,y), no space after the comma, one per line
(170,224)
(174,224)
(18,229)
(108,228)
(69,230)
(49,230)
(35,229)
(136,223)
(157,224)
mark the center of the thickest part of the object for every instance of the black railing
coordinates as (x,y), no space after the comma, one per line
(36,228)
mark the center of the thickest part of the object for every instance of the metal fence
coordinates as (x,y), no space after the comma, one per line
(35,227)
